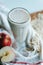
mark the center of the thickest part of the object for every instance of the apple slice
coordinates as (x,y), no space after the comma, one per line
(7,54)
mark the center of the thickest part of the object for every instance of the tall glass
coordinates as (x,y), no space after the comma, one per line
(19,20)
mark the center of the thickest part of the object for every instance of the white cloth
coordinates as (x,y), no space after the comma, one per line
(3,19)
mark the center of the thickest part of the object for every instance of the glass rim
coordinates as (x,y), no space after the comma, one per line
(29,18)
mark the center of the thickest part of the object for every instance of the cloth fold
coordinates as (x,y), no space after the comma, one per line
(3,19)
(3,8)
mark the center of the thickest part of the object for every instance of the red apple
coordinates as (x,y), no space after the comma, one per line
(5,40)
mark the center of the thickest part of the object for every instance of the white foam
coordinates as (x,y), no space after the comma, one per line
(19,15)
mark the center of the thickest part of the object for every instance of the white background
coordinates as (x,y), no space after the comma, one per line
(30,5)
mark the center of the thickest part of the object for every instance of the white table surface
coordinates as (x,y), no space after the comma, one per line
(30,5)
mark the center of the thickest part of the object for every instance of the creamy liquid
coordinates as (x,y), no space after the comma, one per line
(19,15)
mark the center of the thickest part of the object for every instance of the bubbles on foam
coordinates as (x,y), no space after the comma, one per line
(19,15)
